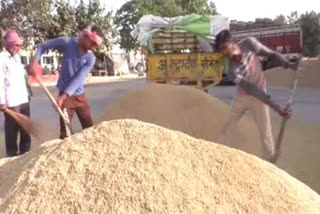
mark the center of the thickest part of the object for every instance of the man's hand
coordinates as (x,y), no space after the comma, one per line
(3,108)
(33,68)
(294,65)
(61,100)
(284,112)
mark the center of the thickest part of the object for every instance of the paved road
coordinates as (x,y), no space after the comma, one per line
(306,107)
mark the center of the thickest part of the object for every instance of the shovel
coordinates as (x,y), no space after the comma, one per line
(63,114)
(285,120)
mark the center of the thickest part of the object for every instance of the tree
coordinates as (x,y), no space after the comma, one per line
(202,7)
(130,13)
(94,13)
(281,20)
(126,18)
(39,20)
(64,21)
(293,17)
(69,19)
(31,17)
(310,24)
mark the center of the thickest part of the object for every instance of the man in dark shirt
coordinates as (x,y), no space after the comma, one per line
(244,68)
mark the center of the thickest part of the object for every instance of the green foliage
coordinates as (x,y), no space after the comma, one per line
(293,17)
(40,20)
(31,18)
(281,20)
(310,25)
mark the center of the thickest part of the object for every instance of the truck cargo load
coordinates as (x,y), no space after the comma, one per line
(180,49)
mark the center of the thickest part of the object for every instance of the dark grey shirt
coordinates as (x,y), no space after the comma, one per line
(248,74)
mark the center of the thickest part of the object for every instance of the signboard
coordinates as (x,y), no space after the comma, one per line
(204,66)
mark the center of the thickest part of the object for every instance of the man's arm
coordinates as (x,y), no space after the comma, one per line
(274,59)
(26,77)
(261,95)
(3,102)
(253,90)
(54,44)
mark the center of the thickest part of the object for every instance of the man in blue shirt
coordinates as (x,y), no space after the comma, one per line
(78,60)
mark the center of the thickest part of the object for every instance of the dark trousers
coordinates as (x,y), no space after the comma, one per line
(80,106)
(12,128)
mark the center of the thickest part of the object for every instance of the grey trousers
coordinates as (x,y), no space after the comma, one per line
(242,104)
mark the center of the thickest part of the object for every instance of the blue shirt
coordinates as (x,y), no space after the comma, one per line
(75,67)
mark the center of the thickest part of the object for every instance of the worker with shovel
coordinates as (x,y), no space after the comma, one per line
(78,60)
(246,71)
(13,95)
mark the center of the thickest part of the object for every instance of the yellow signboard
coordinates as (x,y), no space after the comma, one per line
(190,67)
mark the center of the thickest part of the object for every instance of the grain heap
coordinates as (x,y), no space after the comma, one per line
(127,166)
(184,109)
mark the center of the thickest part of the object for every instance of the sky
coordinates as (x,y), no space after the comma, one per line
(248,10)
(252,9)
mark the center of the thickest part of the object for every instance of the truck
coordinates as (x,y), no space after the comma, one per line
(179,50)
(286,39)
(178,59)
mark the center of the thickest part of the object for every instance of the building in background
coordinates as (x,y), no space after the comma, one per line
(49,61)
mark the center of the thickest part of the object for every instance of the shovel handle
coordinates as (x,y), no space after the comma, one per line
(285,120)
(65,119)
